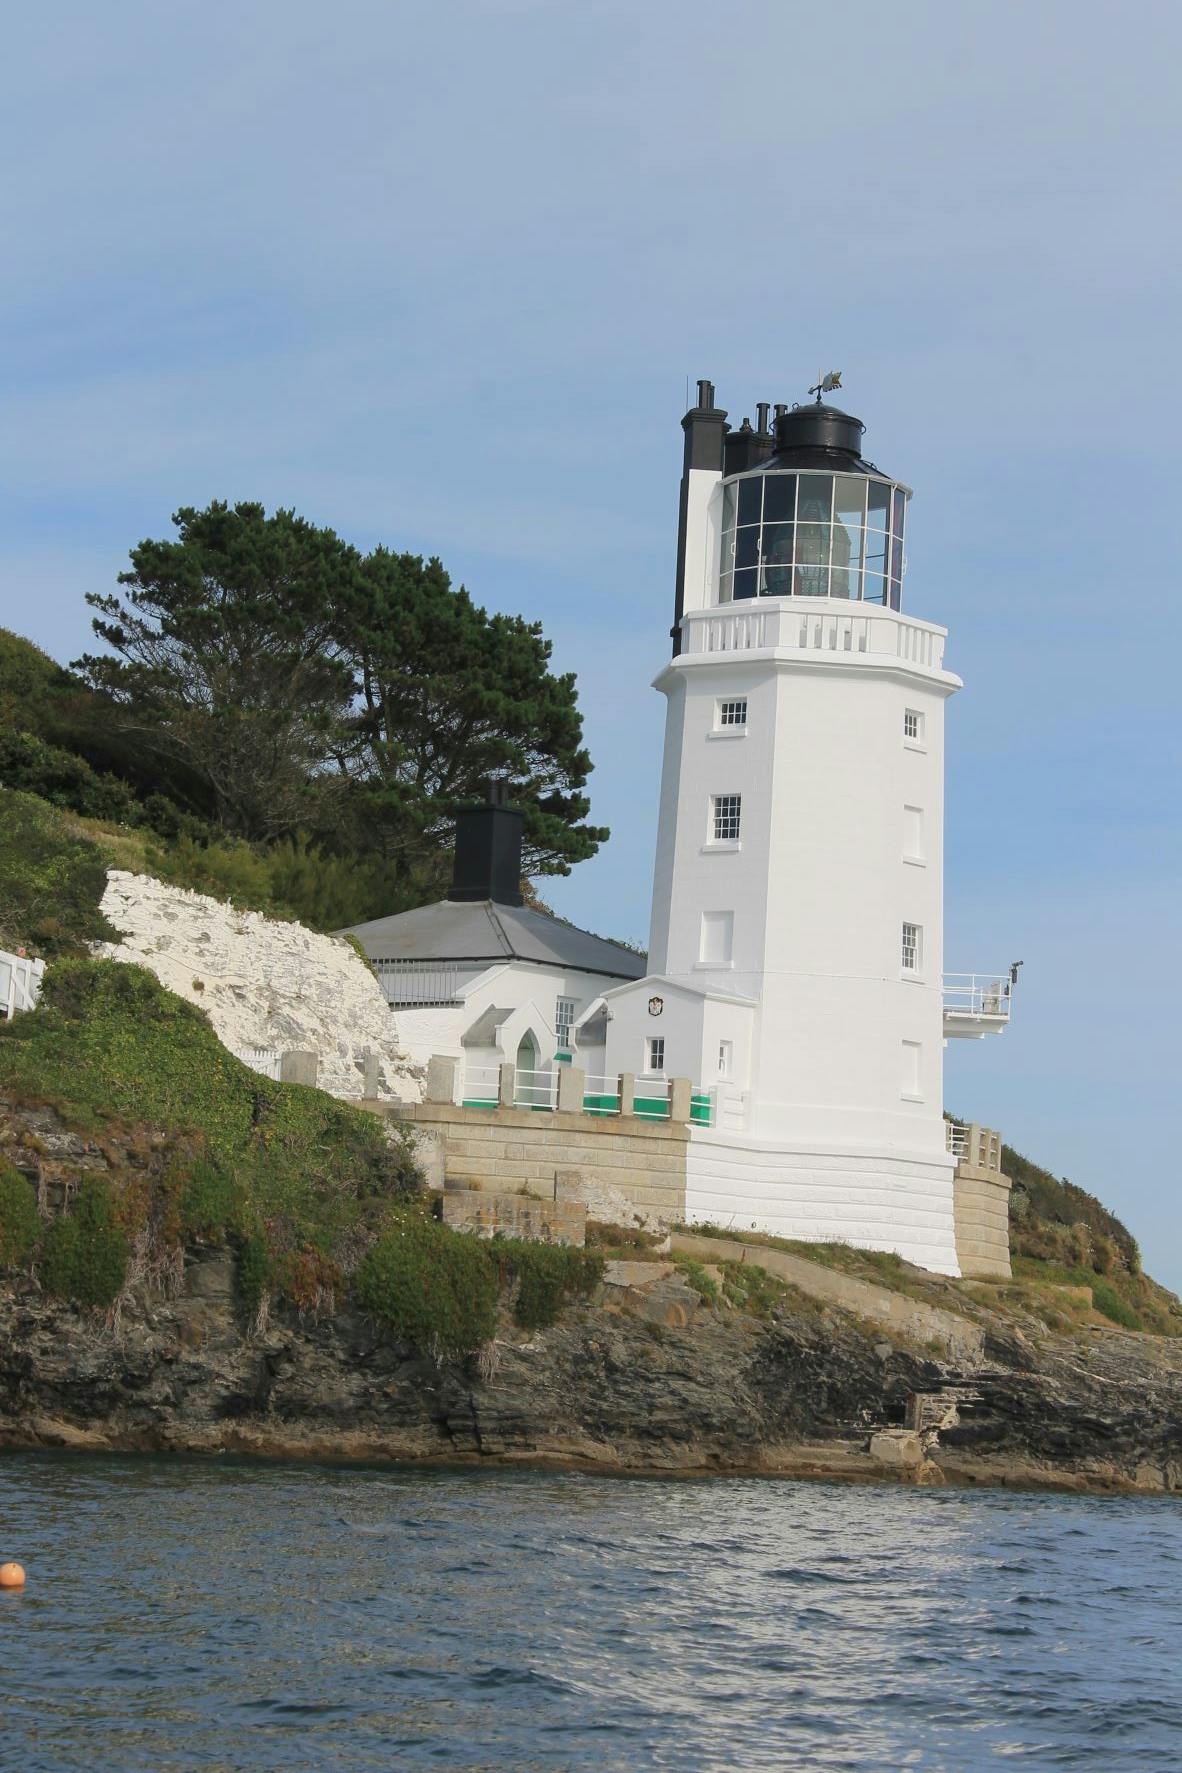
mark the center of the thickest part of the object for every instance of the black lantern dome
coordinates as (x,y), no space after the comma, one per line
(813,517)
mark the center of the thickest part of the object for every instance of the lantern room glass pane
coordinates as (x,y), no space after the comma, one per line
(746,583)
(725,585)
(812,559)
(878,498)
(747,547)
(849,500)
(898,507)
(730,499)
(846,577)
(779,498)
(777,560)
(750,498)
(814,500)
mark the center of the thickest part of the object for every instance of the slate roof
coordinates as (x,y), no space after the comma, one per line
(484,931)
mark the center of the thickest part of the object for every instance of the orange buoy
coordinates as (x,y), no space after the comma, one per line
(11,1576)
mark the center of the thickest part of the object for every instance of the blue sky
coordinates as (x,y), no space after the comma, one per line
(437,276)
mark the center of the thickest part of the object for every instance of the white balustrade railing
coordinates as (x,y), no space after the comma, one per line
(980,995)
(956,1138)
(20,983)
(807,625)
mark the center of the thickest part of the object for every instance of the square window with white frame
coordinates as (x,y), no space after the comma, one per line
(731,712)
(654,1053)
(912,957)
(913,726)
(726,817)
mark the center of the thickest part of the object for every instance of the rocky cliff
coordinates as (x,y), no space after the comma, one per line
(643,1378)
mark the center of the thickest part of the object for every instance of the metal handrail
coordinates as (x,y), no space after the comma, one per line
(979,994)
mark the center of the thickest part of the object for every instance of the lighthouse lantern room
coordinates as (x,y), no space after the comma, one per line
(796,952)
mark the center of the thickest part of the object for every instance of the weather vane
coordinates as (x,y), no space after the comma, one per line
(826,384)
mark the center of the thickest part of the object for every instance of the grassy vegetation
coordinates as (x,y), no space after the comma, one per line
(544,1278)
(430,1287)
(20,1222)
(694,1274)
(306,1179)
(84,1253)
(51,880)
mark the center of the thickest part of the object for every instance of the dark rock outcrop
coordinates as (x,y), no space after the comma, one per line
(667,1384)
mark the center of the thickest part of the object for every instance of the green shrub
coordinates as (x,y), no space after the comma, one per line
(1109,1303)
(62,778)
(85,1251)
(751,1288)
(547,1276)
(212,1206)
(20,1222)
(695,1276)
(255,1271)
(432,1288)
(51,882)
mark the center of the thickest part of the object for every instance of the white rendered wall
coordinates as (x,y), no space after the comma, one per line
(510,985)
(818,884)
(873,1200)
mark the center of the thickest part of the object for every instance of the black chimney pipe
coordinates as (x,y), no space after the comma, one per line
(488,851)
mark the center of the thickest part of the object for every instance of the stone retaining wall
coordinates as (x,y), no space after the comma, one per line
(981,1207)
(505,1150)
(921,1323)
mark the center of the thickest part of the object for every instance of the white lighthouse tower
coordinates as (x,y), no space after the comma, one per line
(796,952)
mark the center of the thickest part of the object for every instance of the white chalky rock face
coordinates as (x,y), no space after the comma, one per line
(263,984)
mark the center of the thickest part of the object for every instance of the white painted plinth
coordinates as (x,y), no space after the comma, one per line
(875,1200)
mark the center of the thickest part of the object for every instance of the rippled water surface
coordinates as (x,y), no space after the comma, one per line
(185,1615)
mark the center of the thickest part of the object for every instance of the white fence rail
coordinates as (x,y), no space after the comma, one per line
(651,1098)
(265,1060)
(601,1095)
(480,1085)
(20,983)
(535,1088)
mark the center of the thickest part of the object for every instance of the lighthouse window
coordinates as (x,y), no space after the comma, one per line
(812,535)
(726,812)
(912,947)
(733,711)
(654,1053)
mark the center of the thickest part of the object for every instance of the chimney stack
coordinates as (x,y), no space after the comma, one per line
(488,851)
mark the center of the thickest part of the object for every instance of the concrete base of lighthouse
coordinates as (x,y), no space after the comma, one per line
(875,1200)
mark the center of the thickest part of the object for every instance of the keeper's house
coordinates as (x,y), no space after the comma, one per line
(482,978)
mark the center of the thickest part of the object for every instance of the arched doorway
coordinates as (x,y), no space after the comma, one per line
(533,1088)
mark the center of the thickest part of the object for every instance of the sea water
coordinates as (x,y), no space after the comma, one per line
(184,1615)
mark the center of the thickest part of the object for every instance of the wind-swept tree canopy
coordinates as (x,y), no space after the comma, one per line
(226,657)
(290,686)
(451,697)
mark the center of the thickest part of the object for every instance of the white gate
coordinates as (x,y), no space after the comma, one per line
(20,983)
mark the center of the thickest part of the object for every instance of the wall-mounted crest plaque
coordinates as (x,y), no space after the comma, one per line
(655,1005)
